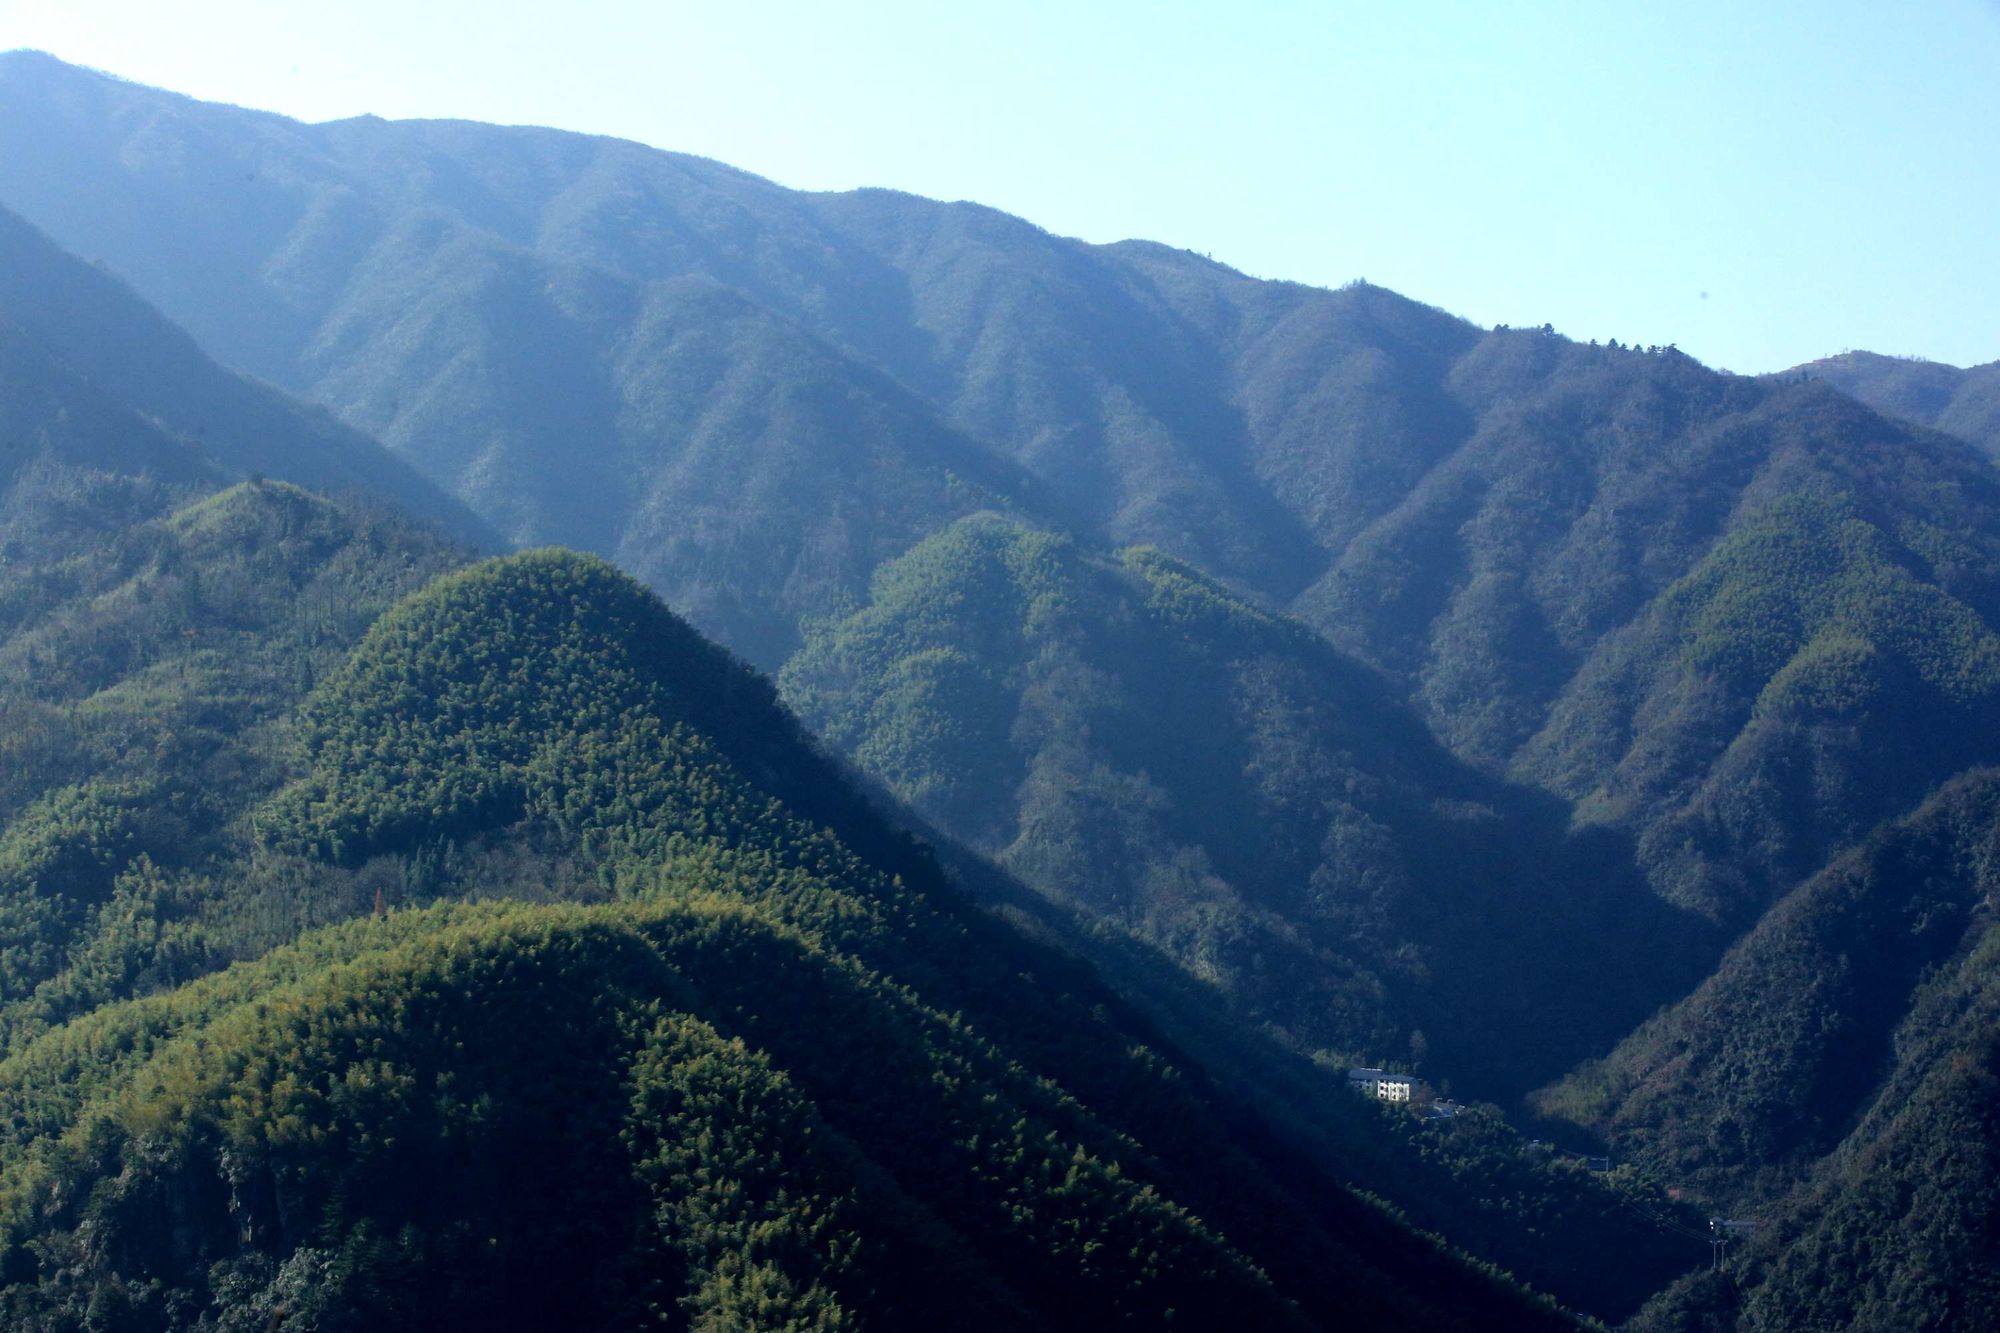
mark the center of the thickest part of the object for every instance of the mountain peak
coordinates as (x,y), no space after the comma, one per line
(1963,401)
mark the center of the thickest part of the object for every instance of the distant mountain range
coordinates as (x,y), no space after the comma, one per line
(1554,719)
(92,363)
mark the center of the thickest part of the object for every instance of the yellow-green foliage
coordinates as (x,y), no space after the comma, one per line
(553,1073)
(145,687)
(776,1074)
(1808,577)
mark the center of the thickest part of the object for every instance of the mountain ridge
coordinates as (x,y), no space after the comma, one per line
(106,335)
(1962,401)
(1718,630)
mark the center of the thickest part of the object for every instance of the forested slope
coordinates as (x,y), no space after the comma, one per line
(1963,402)
(1833,1084)
(1895,1228)
(895,1121)
(1136,741)
(1766,1066)
(1620,663)
(754,397)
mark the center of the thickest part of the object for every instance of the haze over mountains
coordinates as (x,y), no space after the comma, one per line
(1544,716)
(67,324)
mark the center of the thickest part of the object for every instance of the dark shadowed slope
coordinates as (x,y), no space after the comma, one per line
(1765,1068)
(1895,1228)
(68,451)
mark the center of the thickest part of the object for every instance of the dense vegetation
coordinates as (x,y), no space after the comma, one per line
(1768,1063)
(150,647)
(1965,403)
(368,1146)
(1343,679)
(145,687)
(1894,1229)
(750,1076)
(1303,847)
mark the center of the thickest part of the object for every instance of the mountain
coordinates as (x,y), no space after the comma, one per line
(495,305)
(754,397)
(153,661)
(1138,742)
(124,357)
(1386,675)
(652,1016)
(1772,1061)
(658,414)
(1841,1071)
(1961,402)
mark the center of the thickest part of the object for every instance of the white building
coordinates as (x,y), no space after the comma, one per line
(1382,1084)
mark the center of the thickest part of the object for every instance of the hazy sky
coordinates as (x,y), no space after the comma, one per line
(1760,183)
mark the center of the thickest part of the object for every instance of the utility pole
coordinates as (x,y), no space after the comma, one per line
(1721,1231)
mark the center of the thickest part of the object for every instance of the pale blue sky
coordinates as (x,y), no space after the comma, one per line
(1759,183)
